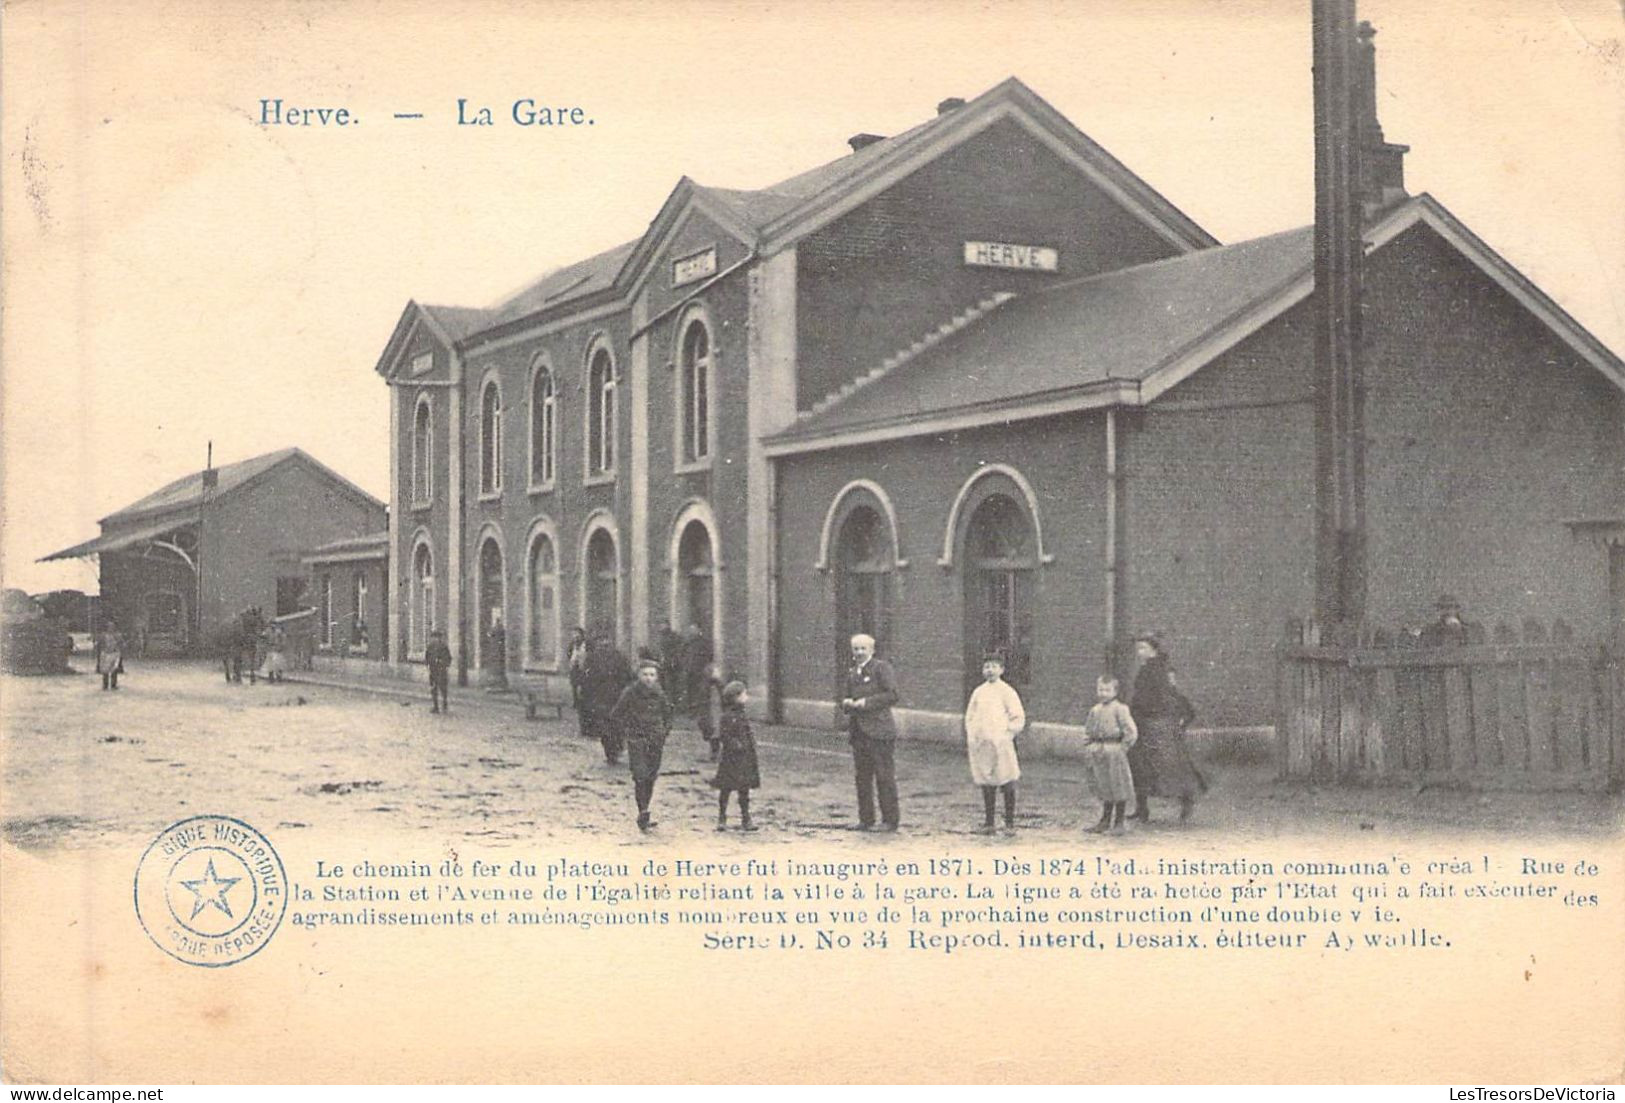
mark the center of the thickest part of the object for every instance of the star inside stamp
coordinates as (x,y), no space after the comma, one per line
(210,891)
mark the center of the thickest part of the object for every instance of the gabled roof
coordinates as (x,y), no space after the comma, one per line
(573,281)
(774,216)
(188,490)
(1126,337)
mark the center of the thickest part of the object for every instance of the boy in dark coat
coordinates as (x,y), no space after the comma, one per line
(736,771)
(438,656)
(643,718)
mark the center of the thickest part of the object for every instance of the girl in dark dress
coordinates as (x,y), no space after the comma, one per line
(1160,760)
(736,769)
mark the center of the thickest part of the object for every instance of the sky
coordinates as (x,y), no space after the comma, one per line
(176,273)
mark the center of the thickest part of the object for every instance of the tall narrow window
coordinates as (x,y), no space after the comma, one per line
(542,636)
(999,563)
(423,453)
(325,610)
(601,413)
(864,558)
(491,438)
(694,393)
(601,581)
(358,607)
(543,427)
(420,612)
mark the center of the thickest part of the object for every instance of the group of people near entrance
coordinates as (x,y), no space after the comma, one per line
(1131,752)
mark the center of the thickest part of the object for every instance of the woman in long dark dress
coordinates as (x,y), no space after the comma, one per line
(1160,760)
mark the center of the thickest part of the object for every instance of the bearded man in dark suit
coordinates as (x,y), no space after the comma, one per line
(871,691)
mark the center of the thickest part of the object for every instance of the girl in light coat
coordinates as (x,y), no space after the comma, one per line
(993,719)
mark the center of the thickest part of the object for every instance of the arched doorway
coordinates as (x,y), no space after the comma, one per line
(420,609)
(999,563)
(542,629)
(493,592)
(864,560)
(696,578)
(601,585)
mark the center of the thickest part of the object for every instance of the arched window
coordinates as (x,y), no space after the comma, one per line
(423,453)
(601,584)
(600,413)
(490,438)
(864,558)
(420,610)
(696,578)
(493,594)
(694,393)
(543,427)
(542,612)
(999,561)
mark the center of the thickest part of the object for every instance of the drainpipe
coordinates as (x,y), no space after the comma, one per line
(1111,539)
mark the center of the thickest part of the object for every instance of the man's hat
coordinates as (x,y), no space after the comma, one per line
(732,691)
(1447,603)
(649,663)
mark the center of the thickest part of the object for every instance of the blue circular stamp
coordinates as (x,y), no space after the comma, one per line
(210,891)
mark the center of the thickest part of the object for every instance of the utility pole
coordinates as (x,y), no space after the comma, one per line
(1338,386)
(210,481)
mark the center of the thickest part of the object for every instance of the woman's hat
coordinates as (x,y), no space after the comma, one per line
(1447,603)
(993,657)
(648,663)
(732,691)
(1152,638)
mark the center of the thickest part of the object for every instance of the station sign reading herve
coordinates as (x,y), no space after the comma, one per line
(1002,254)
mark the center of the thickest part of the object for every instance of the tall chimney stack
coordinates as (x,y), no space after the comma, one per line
(1339,254)
(1381,163)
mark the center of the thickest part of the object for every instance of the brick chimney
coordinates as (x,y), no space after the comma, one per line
(1381,164)
(864,141)
(952,103)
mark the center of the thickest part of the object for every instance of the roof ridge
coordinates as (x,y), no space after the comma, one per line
(1077,281)
(956,324)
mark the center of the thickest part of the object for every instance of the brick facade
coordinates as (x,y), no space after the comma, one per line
(1486,432)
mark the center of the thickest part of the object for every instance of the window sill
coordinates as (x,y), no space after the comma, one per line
(541,668)
(690,467)
(603,478)
(418,506)
(491,495)
(541,488)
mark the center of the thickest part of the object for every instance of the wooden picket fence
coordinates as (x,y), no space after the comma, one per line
(1529,709)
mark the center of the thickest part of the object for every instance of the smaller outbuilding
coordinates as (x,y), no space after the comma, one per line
(180,564)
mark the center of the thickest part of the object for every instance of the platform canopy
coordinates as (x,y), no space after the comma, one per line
(115,541)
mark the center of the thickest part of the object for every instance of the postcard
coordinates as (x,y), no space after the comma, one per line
(730,543)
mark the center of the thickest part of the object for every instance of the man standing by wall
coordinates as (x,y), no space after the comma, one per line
(871,691)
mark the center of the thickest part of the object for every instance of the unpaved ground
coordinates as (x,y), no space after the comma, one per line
(83,767)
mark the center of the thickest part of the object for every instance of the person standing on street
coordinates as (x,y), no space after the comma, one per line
(871,691)
(438,656)
(737,771)
(993,719)
(642,717)
(604,676)
(699,679)
(110,656)
(1160,760)
(578,660)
